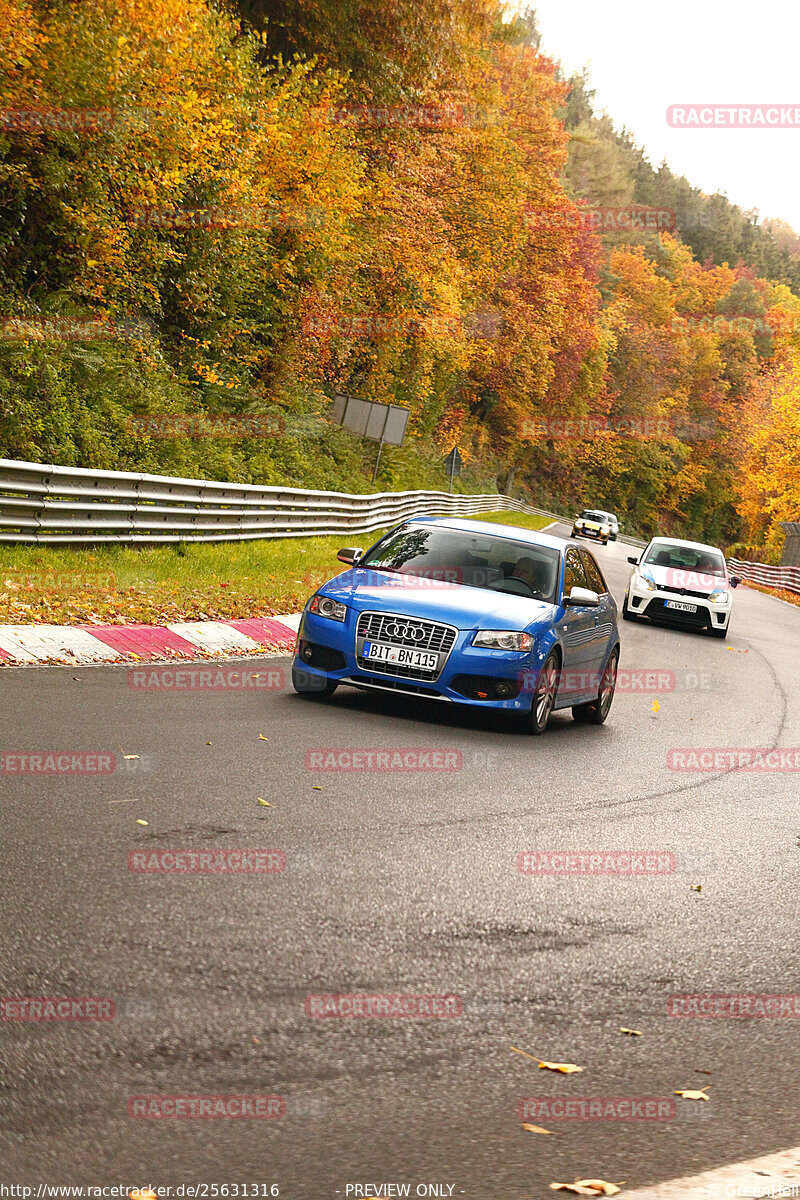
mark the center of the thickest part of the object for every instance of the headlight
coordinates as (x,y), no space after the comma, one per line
(642,581)
(502,639)
(604,529)
(323,606)
(578,523)
(719,597)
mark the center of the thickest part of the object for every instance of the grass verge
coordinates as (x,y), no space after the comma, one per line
(160,584)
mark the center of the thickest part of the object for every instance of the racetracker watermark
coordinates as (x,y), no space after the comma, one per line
(642,681)
(625,218)
(734,116)
(396,758)
(73,329)
(582,428)
(733,758)
(59,582)
(217,1107)
(376,326)
(207,425)
(202,679)
(206,862)
(48,763)
(596,862)
(734,1005)
(228,217)
(383,1004)
(57,1008)
(438,114)
(38,120)
(725,324)
(597,1108)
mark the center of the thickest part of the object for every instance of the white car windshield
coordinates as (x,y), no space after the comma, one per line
(685,558)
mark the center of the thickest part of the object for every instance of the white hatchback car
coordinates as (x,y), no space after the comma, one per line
(684,583)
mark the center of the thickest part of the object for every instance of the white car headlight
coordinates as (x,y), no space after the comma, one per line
(323,606)
(645,583)
(719,597)
(502,639)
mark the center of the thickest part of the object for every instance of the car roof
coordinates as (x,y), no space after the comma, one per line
(688,545)
(532,536)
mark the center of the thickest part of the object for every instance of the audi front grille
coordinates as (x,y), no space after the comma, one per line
(412,633)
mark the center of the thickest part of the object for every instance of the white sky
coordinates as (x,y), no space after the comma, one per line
(645,56)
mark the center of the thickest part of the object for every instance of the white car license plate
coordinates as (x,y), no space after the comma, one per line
(681,607)
(401,656)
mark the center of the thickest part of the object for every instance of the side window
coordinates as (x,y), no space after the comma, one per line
(573,572)
(594,574)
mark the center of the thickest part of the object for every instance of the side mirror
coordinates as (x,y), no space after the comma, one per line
(735,580)
(350,554)
(633,560)
(581,598)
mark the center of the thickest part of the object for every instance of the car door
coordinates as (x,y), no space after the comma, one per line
(604,615)
(578,630)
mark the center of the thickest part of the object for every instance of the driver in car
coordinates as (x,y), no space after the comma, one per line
(534,574)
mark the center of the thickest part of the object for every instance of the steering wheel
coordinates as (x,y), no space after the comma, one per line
(515,587)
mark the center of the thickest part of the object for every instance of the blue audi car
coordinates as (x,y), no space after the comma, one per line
(466,612)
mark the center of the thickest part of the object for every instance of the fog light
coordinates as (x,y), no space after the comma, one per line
(503,690)
(308,653)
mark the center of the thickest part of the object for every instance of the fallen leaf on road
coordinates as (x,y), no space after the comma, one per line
(691,1094)
(142,1194)
(141,822)
(537,1129)
(209,743)
(263,739)
(129,756)
(630,1032)
(655,708)
(264,803)
(316,788)
(587,1187)
(695,887)
(563,1068)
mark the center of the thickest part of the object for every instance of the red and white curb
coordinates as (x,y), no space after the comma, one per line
(32,645)
(774,1175)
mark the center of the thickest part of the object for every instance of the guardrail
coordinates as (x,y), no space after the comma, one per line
(786,578)
(40,503)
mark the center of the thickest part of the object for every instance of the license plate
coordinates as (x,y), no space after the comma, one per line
(680,606)
(377,651)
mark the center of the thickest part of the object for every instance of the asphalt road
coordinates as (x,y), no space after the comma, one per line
(402,883)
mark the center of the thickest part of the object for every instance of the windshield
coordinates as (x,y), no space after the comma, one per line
(591,514)
(684,558)
(473,560)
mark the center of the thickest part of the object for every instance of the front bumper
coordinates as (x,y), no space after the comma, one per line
(592,533)
(471,675)
(645,603)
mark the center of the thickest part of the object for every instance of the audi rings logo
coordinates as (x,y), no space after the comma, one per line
(411,633)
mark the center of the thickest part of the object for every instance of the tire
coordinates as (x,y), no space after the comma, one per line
(545,695)
(573,534)
(605,543)
(627,615)
(306,684)
(596,711)
(720,633)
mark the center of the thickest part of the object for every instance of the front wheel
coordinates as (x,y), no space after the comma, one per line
(305,683)
(574,533)
(544,697)
(597,710)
